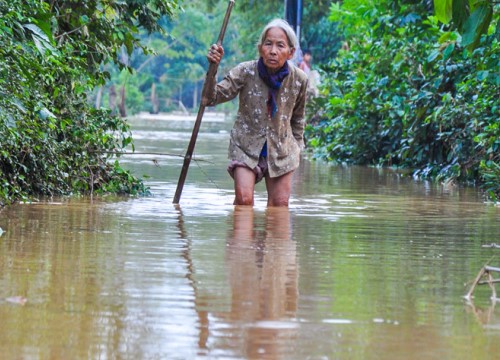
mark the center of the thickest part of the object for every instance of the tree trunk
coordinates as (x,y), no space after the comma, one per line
(195,95)
(98,98)
(121,106)
(112,99)
(154,100)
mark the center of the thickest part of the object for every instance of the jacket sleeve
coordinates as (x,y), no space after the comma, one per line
(227,89)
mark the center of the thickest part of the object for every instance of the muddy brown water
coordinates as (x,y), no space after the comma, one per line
(365,264)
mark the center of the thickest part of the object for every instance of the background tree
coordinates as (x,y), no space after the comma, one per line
(187,36)
(319,34)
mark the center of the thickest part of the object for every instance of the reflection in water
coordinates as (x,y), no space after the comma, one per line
(190,276)
(383,260)
(485,316)
(263,276)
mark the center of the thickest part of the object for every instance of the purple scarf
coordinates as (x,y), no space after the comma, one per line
(273,81)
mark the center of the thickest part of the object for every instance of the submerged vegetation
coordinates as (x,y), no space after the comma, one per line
(410,92)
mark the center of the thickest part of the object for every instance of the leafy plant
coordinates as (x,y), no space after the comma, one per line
(407,93)
(52,53)
(471,17)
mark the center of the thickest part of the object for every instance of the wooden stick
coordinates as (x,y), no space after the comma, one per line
(485,270)
(494,281)
(468,296)
(212,71)
(492,286)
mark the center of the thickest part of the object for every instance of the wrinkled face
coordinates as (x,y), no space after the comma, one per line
(275,49)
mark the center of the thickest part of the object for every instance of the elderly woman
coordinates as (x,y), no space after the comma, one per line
(267,137)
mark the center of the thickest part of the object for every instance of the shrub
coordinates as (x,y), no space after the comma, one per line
(407,94)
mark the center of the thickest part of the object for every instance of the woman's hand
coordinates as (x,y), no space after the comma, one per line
(215,54)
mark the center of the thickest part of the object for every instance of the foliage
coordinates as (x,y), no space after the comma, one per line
(174,70)
(471,17)
(53,142)
(251,17)
(319,34)
(408,94)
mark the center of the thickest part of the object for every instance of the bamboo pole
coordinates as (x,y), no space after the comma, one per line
(212,71)
(485,271)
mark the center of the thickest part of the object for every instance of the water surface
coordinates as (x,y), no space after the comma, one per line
(365,264)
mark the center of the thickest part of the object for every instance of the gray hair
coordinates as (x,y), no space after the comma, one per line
(293,42)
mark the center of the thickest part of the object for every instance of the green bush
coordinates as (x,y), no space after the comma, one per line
(407,94)
(52,141)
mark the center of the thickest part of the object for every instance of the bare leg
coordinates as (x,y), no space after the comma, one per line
(244,185)
(279,189)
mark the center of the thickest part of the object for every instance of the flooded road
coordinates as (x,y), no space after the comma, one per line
(365,264)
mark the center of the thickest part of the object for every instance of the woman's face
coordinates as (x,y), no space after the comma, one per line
(275,50)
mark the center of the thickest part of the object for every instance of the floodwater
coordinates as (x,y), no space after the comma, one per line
(365,264)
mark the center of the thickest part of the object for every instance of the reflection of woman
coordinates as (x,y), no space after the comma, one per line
(264,281)
(267,137)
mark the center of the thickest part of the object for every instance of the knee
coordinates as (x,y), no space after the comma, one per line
(243,199)
(278,201)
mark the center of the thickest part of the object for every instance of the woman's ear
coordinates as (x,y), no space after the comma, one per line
(292,52)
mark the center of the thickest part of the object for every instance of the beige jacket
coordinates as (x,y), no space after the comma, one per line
(284,132)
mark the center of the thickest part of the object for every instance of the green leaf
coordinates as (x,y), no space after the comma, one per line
(44,23)
(84,20)
(443,10)
(433,56)
(447,36)
(482,75)
(45,113)
(18,104)
(39,45)
(37,31)
(41,40)
(10,122)
(129,44)
(476,25)
(460,12)
(448,51)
